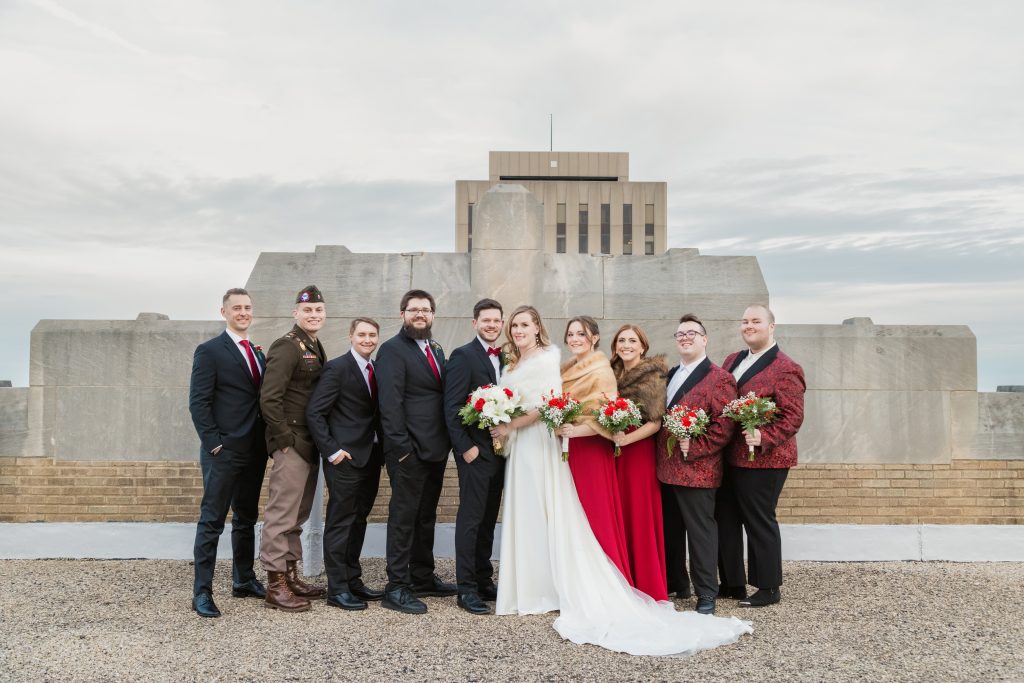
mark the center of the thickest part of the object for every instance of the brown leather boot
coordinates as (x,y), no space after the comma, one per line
(300,587)
(280,596)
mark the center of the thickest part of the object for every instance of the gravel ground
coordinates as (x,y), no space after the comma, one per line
(80,620)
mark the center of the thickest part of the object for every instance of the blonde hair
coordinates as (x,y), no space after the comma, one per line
(510,348)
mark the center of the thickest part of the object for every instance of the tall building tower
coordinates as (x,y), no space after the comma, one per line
(590,205)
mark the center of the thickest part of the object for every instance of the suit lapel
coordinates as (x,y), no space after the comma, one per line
(484,360)
(357,374)
(236,353)
(759,365)
(699,373)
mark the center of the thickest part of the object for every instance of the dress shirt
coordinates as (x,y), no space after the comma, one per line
(495,360)
(750,360)
(677,379)
(241,349)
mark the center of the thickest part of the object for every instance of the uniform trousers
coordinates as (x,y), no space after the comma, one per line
(292,487)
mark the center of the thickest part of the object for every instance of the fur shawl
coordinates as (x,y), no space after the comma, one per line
(589,382)
(534,377)
(645,384)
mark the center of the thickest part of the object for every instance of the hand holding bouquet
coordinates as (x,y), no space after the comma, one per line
(556,411)
(684,423)
(489,406)
(619,415)
(751,411)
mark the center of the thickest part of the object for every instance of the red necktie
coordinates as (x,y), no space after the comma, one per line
(493,351)
(253,367)
(373,381)
(433,363)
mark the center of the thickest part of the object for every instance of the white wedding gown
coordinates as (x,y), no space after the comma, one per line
(550,559)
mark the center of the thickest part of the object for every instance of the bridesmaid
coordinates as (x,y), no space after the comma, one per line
(589,378)
(641,379)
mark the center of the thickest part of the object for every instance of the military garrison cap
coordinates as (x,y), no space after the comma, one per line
(310,295)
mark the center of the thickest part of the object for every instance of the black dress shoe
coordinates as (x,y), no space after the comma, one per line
(681,594)
(250,589)
(472,603)
(346,601)
(705,605)
(489,593)
(364,592)
(436,588)
(401,600)
(762,598)
(204,605)
(732,592)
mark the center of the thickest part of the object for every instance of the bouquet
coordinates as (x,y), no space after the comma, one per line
(684,423)
(751,411)
(556,411)
(619,415)
(489,406)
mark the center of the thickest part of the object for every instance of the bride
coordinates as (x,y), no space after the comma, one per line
(550,559)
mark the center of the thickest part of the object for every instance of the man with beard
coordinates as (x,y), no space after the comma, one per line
(481,471)
(294,363)
(410,378)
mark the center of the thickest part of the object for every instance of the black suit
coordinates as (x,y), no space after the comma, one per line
(416,448)
(224,402)
(480,481)
(342,415)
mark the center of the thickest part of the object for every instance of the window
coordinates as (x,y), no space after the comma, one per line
(649,229)
(627,229)
(584,229)
(469,232)
(560,229)
(606,229)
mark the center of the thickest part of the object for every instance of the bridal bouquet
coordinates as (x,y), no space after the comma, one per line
(619,415)
(489,406)
(684,423)
(556,411)
(751,411)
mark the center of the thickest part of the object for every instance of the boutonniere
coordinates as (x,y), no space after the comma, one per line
(435,346)
(504,358)
(258,348)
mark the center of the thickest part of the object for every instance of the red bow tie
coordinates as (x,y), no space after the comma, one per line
(493,351)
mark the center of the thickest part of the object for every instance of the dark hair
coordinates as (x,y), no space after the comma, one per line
(691,318)
(416,294)
(617,364)
(486,305)
(771,316)
(590,329)
(356,321)
(232,292)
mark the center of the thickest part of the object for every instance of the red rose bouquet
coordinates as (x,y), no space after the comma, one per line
(619,415)
(751,411)
(556,411)
(684,423)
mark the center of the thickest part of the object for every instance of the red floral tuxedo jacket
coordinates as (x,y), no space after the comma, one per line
(780,377)
(708,387)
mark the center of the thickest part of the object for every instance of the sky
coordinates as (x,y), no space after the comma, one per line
(869,154)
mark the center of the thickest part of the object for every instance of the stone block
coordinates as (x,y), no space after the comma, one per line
(883,357)
(14,424)
(876,427)
(998,432)
(508,216)
(653,287)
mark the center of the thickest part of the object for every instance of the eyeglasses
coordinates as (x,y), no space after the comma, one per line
(689,334)
(418,311)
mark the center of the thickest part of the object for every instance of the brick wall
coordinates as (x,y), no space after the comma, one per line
(965,492)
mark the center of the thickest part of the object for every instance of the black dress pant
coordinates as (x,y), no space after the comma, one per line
(231,481)
(351,493)
(480,485)
(697,509)
(412,514)
(746,501)
(676,577)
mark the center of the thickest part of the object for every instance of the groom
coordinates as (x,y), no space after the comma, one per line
(481,471)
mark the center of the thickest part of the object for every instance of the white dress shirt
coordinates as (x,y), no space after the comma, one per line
(679,377)
(495,360)
(750,360)
(241,349)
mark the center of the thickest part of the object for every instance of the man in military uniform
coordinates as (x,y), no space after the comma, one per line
(294,363)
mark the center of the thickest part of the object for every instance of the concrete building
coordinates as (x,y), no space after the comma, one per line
(590,204)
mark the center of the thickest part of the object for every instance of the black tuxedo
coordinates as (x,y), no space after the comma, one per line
(416,448)
(342,415)
(225,408)
(480,481)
